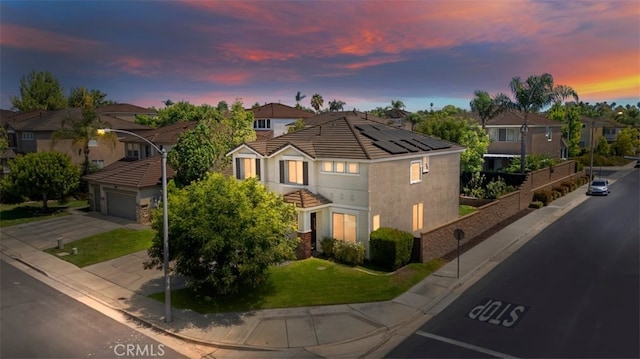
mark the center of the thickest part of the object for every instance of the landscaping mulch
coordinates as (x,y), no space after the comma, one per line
(486,234)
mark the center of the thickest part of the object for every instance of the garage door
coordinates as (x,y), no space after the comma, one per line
(121,205)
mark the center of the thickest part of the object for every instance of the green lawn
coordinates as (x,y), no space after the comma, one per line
(463,210)
(12,214)
(309,282)
(105,246)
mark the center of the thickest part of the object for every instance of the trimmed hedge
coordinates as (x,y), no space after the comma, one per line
(343,252)
(536,204)
(544,196)
(390,247)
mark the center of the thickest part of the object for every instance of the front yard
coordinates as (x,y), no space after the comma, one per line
(309,282)
(13,214)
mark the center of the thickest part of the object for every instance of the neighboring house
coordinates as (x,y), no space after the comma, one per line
(351,175)
(272,119)
(164,137)
(125,111)
(128,189)
(131,187)
(332,115)
(591,127)
(32,132)
(543,137)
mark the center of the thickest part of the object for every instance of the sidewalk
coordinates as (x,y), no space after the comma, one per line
(350,330)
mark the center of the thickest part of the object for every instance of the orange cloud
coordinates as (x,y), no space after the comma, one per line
(135,65)
(29,38)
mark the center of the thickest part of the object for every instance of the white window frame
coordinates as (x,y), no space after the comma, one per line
(419,172)
(262,124)
(353,237)
(134,148)
(417,216)
(27,136)
(299,170)
(340,167)
(244,174)
(98,163)
(425,164)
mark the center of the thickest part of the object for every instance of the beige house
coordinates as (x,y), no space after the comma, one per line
(271,120)
(543,136)
(350,175)
(33,131)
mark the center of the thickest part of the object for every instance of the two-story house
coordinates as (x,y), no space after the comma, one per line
(126,111)
(131,188)
(542,136)
(33,131)
(271,120)
(350,175)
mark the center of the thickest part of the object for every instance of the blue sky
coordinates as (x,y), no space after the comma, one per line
(365,53)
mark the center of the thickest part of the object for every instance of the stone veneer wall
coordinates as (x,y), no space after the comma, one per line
(440,241)
(303,251)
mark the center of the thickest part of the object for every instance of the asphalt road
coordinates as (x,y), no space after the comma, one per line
(573,291)
(37,321)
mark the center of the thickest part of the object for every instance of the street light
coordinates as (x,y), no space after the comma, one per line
(168,317)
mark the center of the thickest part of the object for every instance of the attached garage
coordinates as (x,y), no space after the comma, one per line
(122,205)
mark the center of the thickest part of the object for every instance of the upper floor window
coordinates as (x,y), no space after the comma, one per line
(98,163)
(425,164)
(27,136)
(504,134)
(340,167)
(262,124)
(294,172)
(416,172)
(133,150)
(247,167)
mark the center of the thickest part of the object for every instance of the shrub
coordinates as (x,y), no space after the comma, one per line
(348,253)
(9,193)
(390,247)
(475,186)
(562,189)
(544,196)
(327,245)
(571,185)
(536,204)
(497,188)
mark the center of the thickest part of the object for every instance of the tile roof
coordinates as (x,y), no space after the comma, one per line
(511,118)
(602,122)
(139,174)
(55,119)
(305,199)
(126,108)
(329,116)
(353,137)
(164,134)
(278,110)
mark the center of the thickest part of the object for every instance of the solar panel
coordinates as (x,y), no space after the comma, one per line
(420,145)
(390,147)
(406,144)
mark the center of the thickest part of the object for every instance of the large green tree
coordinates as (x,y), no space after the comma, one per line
(627,143)
(177,112)
(47,174)
(336,105)
(39,90)
(531,96)
(570,116)
(79,95)
(487,107)
(225,233)
(203,149)
(451,125)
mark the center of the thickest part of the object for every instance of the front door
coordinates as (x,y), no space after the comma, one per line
(313,232)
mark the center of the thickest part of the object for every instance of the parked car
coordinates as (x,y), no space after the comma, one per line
(599,187)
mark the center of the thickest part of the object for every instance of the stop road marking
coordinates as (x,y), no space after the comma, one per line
(498,312)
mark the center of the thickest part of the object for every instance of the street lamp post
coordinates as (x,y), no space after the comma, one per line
(168,316)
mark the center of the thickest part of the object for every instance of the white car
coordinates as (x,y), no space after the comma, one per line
(599,187)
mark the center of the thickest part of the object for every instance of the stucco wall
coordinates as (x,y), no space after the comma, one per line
(392,196)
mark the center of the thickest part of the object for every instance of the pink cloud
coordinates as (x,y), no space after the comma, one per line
(30,38)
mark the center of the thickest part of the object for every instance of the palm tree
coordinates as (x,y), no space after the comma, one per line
(487,107)
(336,105)
(317,101)
(531,96)
(397,105)
(81,130)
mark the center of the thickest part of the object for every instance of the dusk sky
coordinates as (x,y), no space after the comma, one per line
(365,53)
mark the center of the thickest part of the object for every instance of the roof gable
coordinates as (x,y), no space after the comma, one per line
(278,110)
(512,118)
(138,174)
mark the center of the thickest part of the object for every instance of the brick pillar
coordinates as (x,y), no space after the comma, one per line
(303,250)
